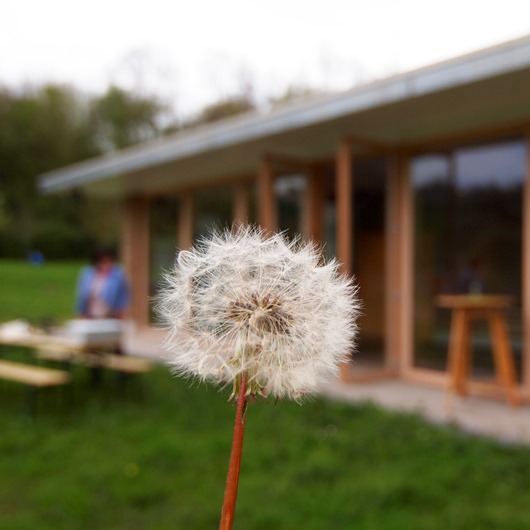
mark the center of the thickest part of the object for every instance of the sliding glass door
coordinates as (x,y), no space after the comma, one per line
(468,239)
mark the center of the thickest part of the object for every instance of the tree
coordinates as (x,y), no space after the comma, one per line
(230,106)
(46,127)
(125,118)
(294,92)
(43,128)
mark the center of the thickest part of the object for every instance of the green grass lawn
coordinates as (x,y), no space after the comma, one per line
(153,454)
(37,292)
(155,457)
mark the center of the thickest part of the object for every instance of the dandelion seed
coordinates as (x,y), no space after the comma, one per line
(261,314)
(240,302)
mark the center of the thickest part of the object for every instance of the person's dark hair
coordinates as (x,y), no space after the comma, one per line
(101,253)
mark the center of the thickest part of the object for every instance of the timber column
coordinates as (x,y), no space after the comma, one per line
(313,219)
(135,256)
(526,275)
(344,206)
(399,267)
(344,217)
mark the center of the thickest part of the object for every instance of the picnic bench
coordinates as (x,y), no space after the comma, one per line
(34,377)
(110,361)
(94,348)
(91,343)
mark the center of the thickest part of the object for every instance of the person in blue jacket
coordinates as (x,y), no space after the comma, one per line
(103,289)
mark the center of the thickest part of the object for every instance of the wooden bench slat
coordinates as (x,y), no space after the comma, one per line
(64,348)
(32,375)
(125,363)
(119,363)
(54,355)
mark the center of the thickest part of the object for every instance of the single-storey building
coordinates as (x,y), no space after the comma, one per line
(419,183)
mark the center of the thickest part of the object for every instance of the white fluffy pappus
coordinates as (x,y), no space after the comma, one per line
(240,302)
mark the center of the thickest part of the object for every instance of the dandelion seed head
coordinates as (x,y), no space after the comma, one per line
(240,302)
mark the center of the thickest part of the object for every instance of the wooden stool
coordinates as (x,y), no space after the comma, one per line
(464,309)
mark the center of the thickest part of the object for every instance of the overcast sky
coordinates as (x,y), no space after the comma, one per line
(192,52)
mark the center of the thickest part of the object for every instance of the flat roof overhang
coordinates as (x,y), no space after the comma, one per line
(486,90)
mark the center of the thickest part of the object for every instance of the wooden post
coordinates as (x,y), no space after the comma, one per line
(502,354)
(399,266)
(406,278)
(344,206)
(313,205)
(391,269)
(526,275)
(135,256)
(344,218)
(266,198)
(185,222)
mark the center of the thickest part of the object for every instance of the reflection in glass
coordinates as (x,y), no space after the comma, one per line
(368,224)
(369,200)
(468,223)
(330,213)
(290,193)
(253,202)
(213,210)
(163,243)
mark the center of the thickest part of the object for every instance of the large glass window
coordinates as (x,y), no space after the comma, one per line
(252,202)
(290,192)
(330,212)
(163,242)
(468,232)
(369,199)
(213,210)
(368,202)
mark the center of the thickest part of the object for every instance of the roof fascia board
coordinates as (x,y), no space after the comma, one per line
(470,68)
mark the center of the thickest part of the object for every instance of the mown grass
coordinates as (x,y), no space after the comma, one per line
(40,292)
(155,456)
(152,454)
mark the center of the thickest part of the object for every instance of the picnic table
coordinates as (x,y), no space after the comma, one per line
(91,343)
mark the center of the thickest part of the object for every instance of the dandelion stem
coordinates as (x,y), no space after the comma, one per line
(232,479)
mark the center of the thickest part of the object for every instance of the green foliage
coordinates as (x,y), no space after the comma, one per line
(152,452)
(48,127)
(41,129)
(294,92)
(125,118)
(226,107)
